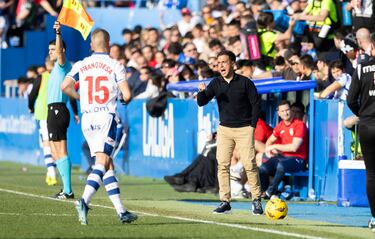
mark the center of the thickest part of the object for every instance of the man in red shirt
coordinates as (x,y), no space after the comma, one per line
(262,132)
(289,154)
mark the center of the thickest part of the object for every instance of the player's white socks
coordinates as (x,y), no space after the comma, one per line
(93,182)
(113,190)
(48,161)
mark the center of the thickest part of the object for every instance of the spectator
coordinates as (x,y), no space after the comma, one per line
(287,156)
(322,73)
(235,46)
(306,67)
(115,52)
(126,35)
(321,17)
(190,55)
(340,87)
(154,84)
(174,51)
(148,53)
(245,68)
(186,73)
(5,6)
(215,46)
(212,63)
(207,16)
(159,58)
(187,23)
(350,49)
(362,14)
(268,38)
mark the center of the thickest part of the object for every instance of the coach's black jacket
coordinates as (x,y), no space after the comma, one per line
(238,101)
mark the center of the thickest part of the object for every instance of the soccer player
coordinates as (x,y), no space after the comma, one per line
(100,77)
(58,114)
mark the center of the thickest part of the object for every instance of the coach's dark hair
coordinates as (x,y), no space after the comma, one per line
(231,55)
(53,42)
(283,102)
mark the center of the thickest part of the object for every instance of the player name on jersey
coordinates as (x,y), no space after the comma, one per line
(96,65)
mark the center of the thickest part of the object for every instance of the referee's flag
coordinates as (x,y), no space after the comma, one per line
(74,15)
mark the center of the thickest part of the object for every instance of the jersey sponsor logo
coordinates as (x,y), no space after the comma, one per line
(17,124)
(158,134)
(56,112)
(95,127)
(96,65)
(371,92)
(370,68)
(291,131)
(96,109)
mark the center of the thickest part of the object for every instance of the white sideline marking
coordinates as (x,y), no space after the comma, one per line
(250,228)
(43,214)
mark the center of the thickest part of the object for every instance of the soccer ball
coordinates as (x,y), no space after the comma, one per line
(276,208)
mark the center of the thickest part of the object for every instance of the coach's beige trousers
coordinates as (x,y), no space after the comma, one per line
(243,138)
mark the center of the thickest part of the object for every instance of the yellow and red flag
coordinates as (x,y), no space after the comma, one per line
(74,15)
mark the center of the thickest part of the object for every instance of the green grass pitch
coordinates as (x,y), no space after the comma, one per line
(26,211)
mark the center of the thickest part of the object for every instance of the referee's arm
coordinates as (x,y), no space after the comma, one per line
(68,88)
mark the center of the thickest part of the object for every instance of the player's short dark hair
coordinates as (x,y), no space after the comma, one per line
(231,55)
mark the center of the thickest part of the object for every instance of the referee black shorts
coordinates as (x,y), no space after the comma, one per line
(57,121)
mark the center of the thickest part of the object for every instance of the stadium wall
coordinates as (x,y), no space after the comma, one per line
(166,145)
